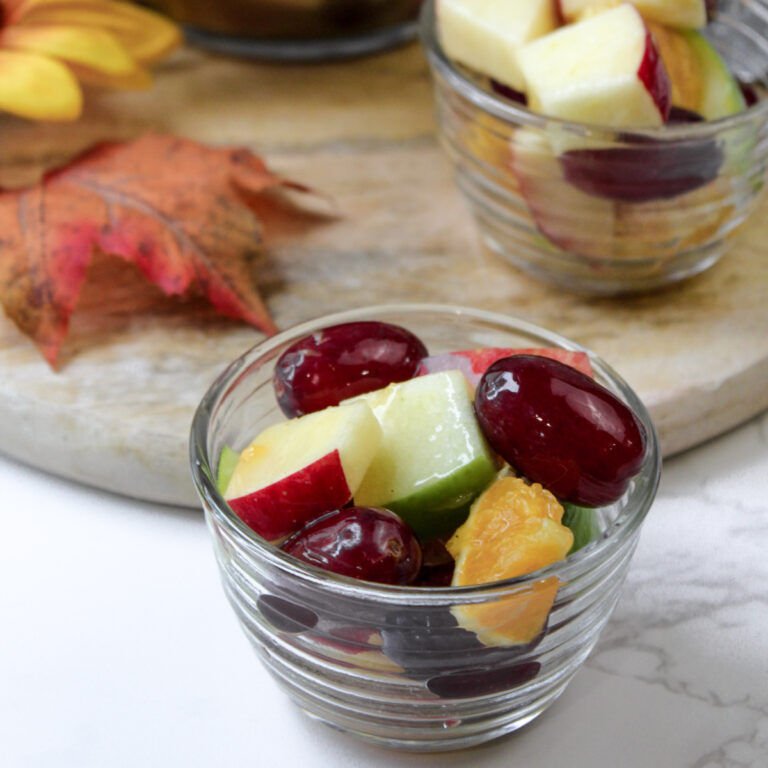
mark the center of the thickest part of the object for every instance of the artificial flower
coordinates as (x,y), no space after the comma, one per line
(49,47)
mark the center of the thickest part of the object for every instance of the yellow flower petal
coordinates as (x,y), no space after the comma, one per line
(94,48)
(38,88)
(147,36)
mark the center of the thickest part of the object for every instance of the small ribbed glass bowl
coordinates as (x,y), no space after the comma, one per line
(678,192)
(389,664)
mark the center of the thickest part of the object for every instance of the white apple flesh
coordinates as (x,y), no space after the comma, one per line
(684,14)
(604,70)
(485,35)
(433,459)
(297,470)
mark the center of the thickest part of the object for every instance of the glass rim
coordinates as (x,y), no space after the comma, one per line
(577,564)
(520,115)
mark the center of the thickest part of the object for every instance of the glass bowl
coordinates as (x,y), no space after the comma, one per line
(389,664)
(287,30)
(536,185)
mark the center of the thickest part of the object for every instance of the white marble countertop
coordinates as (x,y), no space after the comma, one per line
(118,648)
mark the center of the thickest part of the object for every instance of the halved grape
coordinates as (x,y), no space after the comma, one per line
(343,361)
(482,682)
(560,428)
(649,170)
(366,543)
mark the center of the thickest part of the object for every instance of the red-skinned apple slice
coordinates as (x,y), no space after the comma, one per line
(486,34)
(605,70)
(297,470)
(568,217)
(684,14)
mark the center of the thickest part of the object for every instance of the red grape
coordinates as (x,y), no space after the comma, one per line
(343,361)
(560,428)
(649,170)
(509,93)
(464,685)
(366,543)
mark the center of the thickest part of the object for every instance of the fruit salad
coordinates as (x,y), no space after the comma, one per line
(399,467)
(621,64)
(624,188)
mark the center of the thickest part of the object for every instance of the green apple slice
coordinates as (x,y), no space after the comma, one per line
(433,459)
(583,524)
(720,94)
(227,463)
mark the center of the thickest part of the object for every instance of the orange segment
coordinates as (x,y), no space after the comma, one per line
(682,66)
(510,620)
(512,529)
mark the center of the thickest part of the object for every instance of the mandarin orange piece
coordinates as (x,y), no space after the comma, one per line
(513,528)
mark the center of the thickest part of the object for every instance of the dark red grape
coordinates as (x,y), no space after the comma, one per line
(342,361)
(285,615)
(560,428)
(428,642)
(464,685)
(509,93)
(435,575)
(711,6)
(681,116)
(649,170)
(366,543)
(749,91)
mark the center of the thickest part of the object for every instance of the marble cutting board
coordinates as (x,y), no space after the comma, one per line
(136,363)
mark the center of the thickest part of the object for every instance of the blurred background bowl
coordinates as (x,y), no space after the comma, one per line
(295,30)
(537,186)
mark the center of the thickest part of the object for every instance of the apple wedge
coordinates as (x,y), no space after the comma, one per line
(297,470)
(569,218)
(605,70)
(486,34)
(701,81)
(685,14)
(433,459)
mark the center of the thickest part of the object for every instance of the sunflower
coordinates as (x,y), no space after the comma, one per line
(49,47)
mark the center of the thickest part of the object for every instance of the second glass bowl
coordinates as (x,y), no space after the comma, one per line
(390,664)
(679,192)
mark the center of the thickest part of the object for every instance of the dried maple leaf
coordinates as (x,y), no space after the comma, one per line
(177,209)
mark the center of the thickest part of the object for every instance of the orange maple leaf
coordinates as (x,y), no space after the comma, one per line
(179,210)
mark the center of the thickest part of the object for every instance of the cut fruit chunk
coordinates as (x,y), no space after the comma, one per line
(686,14)
(297,470)
(605,70)
(473,363)
(433,460)
(227,463)
(568,217)
(701,81)
(721,95)
(583,524)
(512,529)
(486,34)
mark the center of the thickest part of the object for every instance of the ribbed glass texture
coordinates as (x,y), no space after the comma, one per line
(390,664)
(537,186)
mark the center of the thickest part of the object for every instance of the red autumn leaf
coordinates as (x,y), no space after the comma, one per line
(177,209)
